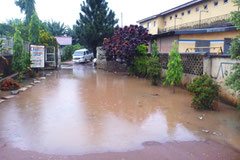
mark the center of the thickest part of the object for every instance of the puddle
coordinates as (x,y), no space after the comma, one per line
(81,110)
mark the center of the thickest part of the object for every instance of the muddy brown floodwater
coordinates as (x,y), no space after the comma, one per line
(94,114)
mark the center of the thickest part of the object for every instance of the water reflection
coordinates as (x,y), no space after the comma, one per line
(86,111)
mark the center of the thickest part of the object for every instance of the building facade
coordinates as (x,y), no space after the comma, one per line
(198,23)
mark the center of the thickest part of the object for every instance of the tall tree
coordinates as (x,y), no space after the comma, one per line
(96,22)
(234,80)
(34,30)
(18,55)
(56,28)
(28,7)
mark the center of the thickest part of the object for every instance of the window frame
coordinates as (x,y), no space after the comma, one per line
(197,9)
(183,13)
(205,7)
(216,3)
(189,11)
(225,1)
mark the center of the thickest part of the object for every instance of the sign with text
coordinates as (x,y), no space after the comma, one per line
(37,56)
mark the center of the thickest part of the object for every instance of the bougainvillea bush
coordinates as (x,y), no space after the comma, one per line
(9,84)
(122,47)
(205,93)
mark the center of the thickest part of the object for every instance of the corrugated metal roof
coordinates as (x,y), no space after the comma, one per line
(185,5)
(64,41)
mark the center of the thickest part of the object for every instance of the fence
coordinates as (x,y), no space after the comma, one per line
(192,62)
(209,22)
(9,41)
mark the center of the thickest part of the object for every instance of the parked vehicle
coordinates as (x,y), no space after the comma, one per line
(82,55)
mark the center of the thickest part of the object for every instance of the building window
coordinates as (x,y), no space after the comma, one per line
(175,15)
(165,23)
(205,6)
(182,13)
(149,25)
(216,3)
(154,23)
(197,9)
(170,17)
(189,11)
(225,1)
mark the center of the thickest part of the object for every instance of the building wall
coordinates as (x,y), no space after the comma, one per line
(150,25)
(212,11)
(216,40)
(165,43)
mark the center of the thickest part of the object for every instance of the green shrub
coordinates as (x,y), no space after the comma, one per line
(154,70)
(140,62)
(69,50)
(204,92)
(9,84)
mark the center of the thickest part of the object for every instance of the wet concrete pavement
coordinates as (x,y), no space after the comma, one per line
(94,114)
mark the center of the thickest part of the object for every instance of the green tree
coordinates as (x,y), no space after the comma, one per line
(175,69)
(71,32)
(56,28)
(28,7)
(46,39)
(6,29)
(18,55)
(154,69)
(234,80)
(69,50)
(34,30)
(96,22)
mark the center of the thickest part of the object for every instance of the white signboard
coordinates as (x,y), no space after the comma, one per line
(37,56)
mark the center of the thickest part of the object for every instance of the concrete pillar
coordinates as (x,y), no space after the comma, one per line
(207,64)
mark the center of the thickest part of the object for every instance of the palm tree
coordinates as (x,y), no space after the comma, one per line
(56,28)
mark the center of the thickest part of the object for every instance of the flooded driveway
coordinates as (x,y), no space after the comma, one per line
(80,110)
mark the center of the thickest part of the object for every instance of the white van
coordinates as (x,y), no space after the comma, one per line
(82,55)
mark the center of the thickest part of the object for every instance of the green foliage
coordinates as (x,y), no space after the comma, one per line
(20,78)
(27,60)
(140,62)
(72,33)
(96,22)
(28,7)
(6,29)
(154,70)
(34,30)
(18,64)
(23,29)
(56,28)
(47,40)
(233,81)
(175,69)
(69,50)
(235,49)
(204,92)
(154,52)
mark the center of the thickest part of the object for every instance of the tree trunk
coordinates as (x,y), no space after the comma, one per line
(174,91)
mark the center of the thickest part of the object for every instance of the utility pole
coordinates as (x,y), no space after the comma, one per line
(121,19)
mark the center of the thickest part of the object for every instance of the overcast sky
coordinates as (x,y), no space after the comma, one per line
(67,11)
